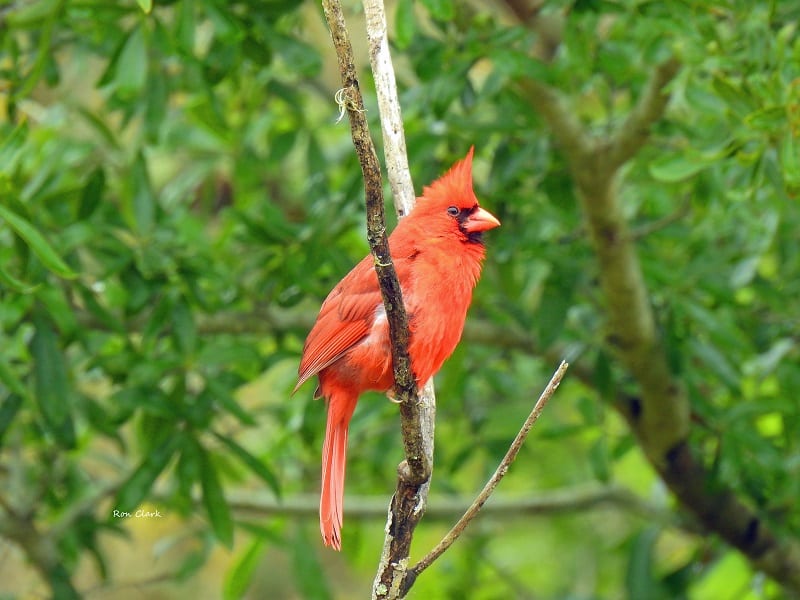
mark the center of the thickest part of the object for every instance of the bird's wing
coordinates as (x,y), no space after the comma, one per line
(345,319)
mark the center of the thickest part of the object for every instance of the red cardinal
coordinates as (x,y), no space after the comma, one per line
(437,251)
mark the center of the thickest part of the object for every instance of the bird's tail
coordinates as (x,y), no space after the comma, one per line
(334,457)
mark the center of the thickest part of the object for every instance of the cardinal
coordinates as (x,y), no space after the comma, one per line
(437,252)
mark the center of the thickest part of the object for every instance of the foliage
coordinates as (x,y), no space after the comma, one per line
(177,199)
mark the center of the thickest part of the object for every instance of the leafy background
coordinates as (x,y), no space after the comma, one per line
(176,200)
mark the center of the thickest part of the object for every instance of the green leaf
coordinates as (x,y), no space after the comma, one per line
(11,148)
(139,484)
(790,162)
(99,125)
(764,364)
(143,203)
(8,411)
(156,104)
(15,284)
(599,460)
(57,306)
(728,572)
(53,391)
(183,328)
(405,24)
(224,398)
(61,584)
(717,362)
(552,312)
(771,118)
(186,26)
(188,471)
(214,500)
(32,13)
(676,167)
(36,242)
(735,98)
(639,579)
(145,5)
(443,10)
(240,574)
(255,465)
(305,562)
(131,72)
(92,193)
(10,380)
(98,311)
(304,58)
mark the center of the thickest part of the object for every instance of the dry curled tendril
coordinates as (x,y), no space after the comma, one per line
(345,102)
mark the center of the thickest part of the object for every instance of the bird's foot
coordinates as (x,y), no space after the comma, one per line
(392,396)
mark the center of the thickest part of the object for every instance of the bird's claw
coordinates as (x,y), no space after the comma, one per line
(392,396)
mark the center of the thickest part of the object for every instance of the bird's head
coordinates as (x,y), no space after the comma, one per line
(449,206)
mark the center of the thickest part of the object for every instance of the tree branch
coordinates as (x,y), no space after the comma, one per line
(659,416)
(629,138)
(261,505)
(494,480)
(41,549)
(562,122)
(405,386)
(417,415)
(394,141)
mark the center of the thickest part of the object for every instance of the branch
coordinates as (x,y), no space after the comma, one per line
(417,416)
(41,549)
(494,480)
(414,472)
(633,133)
(261,505)
(659,416)
(632,334)
(549,26)
(394,141)
(405,386)
(562,122)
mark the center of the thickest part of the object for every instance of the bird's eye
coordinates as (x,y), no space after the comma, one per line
(452,211)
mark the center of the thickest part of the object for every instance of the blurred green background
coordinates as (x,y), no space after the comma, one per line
(176,199)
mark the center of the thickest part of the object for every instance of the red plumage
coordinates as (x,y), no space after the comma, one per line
(437,251)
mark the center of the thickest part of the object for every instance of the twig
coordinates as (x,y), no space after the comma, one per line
(494,480)
(117,588)
(647,229)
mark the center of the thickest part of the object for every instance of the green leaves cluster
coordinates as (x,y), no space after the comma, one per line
(131,209)
(175,201)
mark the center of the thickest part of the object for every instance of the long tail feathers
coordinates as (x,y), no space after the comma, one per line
(334,456)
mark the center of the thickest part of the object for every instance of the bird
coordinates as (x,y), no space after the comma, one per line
(438,252)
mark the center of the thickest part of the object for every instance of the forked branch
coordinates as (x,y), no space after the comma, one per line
(494,480)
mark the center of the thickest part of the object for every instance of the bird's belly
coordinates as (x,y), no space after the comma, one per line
(365,366)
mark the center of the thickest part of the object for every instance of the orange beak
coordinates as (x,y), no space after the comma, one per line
(480,220)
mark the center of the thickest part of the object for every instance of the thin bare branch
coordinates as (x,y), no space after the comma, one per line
(494,480)
(261,505)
